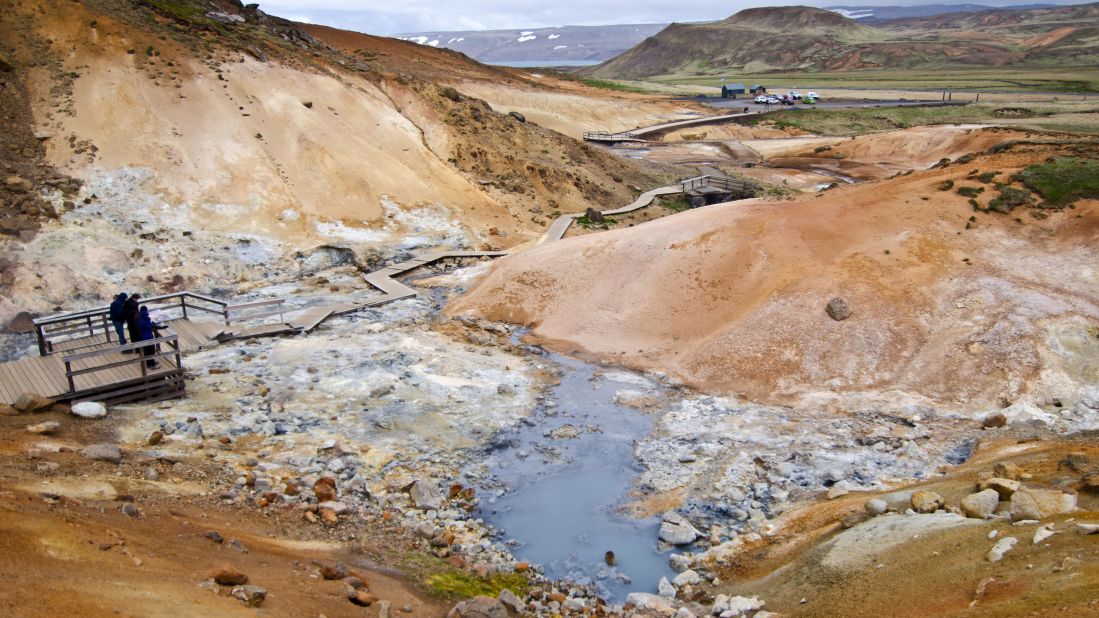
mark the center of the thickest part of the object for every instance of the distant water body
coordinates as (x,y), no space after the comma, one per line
(528,64)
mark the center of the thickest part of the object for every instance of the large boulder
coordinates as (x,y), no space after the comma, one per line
(479,607)
(647,601)
(982,504)
(1040,502)
(29,403)
(926,501)
(1004,487)
(676,530)
(425,495)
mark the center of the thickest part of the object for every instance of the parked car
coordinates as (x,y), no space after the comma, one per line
(772,101)
(794,94)
(812,95)
(788,100)
(809,101)
(762,99)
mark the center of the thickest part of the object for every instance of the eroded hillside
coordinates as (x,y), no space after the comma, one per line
(250,134)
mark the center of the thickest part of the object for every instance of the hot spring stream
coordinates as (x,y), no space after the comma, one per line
(565,473)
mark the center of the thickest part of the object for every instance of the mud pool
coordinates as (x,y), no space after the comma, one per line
(559,479)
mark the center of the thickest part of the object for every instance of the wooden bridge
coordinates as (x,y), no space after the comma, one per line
(641,133)
(80,360)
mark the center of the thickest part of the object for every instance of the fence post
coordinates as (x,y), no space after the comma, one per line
(39,331)
(183,303)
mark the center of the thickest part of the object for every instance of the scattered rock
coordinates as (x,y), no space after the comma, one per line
(996,419)
(18,184)
(6,410)
(518,116)
(155,438)
(1039,503)
(676,530)
(1008,470)
(982,504)
(29,403)
(651,602)
(1004,487)
(1001,547)
(838,490)
(877,506)
(1087,528)
(325,489)
(5,64)
(740,606)
(425,495)
(837,309)
(226,574)
(252,596)
(594,216)
(103,452)
(479,607)
(511,601)
(1043,533)
(926,501)
(687,578)
(129,509)
(44,428)
(334,571)
(214,536)
(665,588)
(89,409)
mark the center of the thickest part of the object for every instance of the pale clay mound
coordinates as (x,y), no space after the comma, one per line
(731,297)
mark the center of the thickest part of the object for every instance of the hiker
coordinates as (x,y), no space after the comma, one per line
(130,309)
(147,331)
(118,317)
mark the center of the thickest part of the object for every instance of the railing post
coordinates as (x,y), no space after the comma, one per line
(38,329)
(106,329)
(183,303)
(69,375)
(91,329)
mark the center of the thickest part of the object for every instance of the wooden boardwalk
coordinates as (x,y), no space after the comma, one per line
(99,370)
(641,133)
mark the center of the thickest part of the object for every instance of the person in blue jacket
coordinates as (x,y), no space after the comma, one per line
(147,331)
(118,317)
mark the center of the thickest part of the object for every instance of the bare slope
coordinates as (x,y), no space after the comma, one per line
(732,298)
(243,130)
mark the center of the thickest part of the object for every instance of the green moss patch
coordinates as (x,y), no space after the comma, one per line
(1062,181)
(460,584)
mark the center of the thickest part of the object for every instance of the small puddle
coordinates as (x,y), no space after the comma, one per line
(563,476)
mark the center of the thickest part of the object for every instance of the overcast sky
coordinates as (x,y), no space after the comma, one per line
(395,16)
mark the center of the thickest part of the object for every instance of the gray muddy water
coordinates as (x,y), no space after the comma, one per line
(561,478)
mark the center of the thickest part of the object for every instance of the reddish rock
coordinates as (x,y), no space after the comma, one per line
(325,489)
(361,598)
(334,571)
(226,574)
(30,403)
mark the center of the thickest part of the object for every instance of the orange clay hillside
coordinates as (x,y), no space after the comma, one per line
(946,301)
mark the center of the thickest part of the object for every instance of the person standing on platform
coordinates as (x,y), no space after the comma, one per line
(130,311)
(147,330)
(118,317)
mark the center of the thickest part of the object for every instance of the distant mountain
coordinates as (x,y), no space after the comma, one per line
(560,44)
(808,39)
(874,14)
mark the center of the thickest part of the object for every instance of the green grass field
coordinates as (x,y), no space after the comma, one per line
(1070,80)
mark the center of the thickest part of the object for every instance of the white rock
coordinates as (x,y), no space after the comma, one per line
(1043,533)
(654,602)
(1087,528)
(1001,547)
(687,578)
(877,506)
(44,428)
(684,613)
(676,530)
(89,409)
(739,606)
(425,495)
(838,490)
(338,508)
(665,588)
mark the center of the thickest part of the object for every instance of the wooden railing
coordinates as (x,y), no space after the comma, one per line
(243,312)
(718,182)
(110,354)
